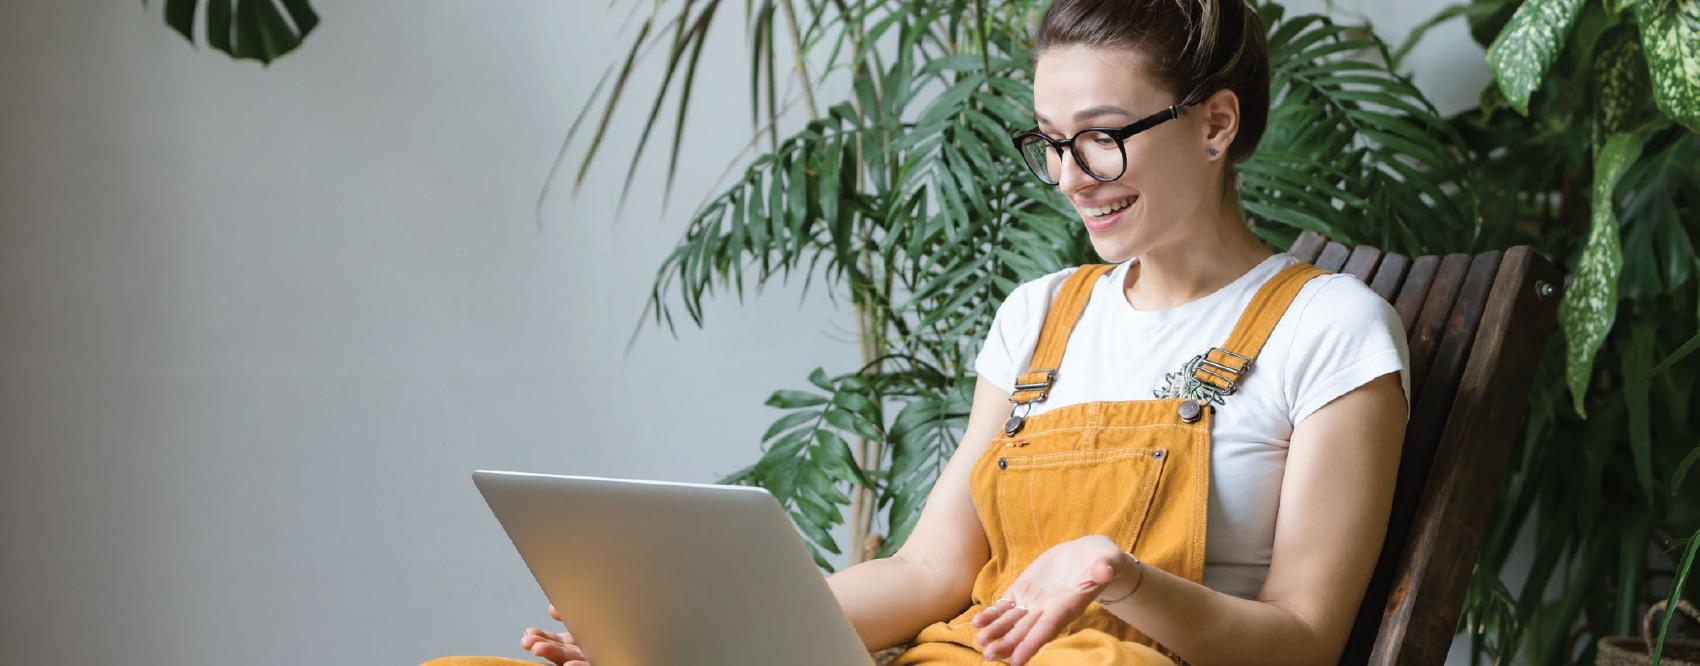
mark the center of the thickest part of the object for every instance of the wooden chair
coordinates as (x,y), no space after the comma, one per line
(1476,325)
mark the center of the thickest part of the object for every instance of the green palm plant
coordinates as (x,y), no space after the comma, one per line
(908,198)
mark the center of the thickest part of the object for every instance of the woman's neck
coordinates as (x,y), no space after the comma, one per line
(1181,272)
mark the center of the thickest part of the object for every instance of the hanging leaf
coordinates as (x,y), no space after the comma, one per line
(1521,54)
(260,30)
(1670,33)
(1590,303)
(1620,76)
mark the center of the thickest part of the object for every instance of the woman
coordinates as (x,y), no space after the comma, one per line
(1117,504)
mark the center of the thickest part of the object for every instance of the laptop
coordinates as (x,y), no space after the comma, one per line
(656,572)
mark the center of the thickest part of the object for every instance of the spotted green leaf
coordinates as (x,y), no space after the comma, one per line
(1590,303)
(1520,55)
(1670,34)
(1620,76)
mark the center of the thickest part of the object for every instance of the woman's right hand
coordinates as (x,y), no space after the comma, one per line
(556,647)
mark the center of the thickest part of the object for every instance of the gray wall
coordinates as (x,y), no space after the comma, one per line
(258,324)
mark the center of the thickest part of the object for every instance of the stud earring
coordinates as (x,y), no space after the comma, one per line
(1212,151)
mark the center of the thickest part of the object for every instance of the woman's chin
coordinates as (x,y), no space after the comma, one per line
(1112,244)
(1111,248)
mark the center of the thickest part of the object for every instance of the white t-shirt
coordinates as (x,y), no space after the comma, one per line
(1336,335)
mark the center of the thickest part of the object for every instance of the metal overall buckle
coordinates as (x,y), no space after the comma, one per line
(1044,387)
(1024,409)
(1204,365)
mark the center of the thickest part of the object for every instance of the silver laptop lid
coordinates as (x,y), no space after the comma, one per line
(657,573)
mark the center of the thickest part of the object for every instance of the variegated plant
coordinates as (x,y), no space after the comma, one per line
(1587,145)
(1519,59)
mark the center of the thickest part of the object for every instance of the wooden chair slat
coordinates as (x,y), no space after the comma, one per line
(1362,262)
(1307,246)
(1452,335)
(1437,306)
(1415,289)
(1389,275)
(1333,256)
(1470,461)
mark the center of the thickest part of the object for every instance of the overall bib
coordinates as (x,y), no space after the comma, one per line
(1137,471)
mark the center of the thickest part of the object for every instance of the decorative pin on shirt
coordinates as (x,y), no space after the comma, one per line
(1185,384)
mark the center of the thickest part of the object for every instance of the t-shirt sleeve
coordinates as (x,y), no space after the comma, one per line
(1009,342)
(1347,335)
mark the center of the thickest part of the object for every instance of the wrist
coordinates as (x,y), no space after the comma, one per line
(1132,574)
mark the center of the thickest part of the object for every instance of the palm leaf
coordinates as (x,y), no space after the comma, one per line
(1369,133)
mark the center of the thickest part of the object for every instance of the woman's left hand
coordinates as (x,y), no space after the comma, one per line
(1051,593)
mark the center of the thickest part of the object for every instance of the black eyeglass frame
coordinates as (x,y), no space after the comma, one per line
(1120,134)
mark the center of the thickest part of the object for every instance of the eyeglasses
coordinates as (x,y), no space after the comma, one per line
(1098,150)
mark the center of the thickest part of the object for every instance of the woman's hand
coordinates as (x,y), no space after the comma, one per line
(1052,592)
(556,647)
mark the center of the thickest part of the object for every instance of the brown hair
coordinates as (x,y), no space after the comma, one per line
(1196,48)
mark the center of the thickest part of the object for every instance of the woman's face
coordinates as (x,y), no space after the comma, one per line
(1168,173)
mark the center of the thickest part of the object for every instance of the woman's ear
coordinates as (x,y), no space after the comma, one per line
(1221,116)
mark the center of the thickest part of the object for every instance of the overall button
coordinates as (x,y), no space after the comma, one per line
(1003,464)
(1012,426)
(1190,410)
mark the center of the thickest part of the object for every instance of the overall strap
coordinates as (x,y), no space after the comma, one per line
(1222,367)
(1064,311)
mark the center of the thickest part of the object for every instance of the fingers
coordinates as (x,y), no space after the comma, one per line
(558,637)
(557,653)
(1042,631)
(555,647)
(990,613)
(1001,646)
(998,627)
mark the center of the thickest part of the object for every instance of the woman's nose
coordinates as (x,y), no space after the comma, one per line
(1070,176)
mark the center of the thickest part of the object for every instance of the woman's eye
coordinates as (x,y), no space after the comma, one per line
(1104,141)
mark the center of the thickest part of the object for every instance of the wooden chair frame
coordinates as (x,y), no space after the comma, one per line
(1476,325)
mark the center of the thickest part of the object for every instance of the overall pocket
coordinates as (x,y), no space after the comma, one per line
(1044,499)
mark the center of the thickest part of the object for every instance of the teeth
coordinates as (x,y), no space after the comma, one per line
(1100,212)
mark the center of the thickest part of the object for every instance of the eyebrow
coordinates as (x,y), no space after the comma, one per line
(1092,112)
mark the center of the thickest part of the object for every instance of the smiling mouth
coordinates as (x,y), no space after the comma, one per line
(1106,211)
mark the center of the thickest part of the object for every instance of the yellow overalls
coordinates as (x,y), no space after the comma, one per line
(1137,471)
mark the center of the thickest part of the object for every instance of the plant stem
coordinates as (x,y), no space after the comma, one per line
(802,62)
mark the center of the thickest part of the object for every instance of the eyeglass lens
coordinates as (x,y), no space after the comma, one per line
(1096,151)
